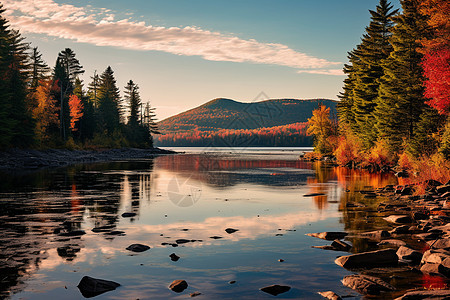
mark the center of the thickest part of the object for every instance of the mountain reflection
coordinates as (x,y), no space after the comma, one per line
(72,215)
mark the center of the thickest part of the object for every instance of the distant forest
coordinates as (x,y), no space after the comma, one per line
(43,107)
(292,135)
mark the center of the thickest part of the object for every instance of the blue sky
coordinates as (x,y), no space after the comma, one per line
(183,53)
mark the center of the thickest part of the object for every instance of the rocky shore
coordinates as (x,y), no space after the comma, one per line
(20,159)
(409,257)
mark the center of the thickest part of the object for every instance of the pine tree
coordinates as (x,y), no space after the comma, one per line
(39,69)
(345,106)
(149,119)
(16,122)
(87,123)
(61,77)
(133,103)
(373,50)
(71,66)
(109,102)
(400,101)
(93,89)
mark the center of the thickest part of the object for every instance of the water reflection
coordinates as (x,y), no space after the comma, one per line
(57,223)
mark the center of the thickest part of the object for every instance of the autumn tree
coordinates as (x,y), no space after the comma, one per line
(322,127)
(436,50)
(46,112)
(76,112)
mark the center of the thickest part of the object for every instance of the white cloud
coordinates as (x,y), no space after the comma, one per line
(335,72)
(100,27)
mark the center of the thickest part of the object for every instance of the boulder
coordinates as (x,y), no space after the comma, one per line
(328,235)
(426,294)
(409,254)
(330,295)
(138,248)
(403,229)
(378,258)
(178,286)
(434,256)
(430,268)
(440,244)
(366,284)
(91,287)
(340,245)
(392,242)
(275,289)
(399,219)
(377,235)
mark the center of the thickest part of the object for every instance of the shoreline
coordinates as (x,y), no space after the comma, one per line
(31,160)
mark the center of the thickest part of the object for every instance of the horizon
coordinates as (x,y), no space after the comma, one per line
(184,54)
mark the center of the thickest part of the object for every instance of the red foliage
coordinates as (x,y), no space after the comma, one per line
(76,111)
(436,66)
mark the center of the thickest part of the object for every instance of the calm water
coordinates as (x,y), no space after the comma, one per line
(190,196)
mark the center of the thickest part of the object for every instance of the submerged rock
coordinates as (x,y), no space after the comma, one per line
(182,241)
(91,287)
(231,230)
(377,235)
(328,235)
(330,295)
(340,245)
(178,286)
(138,248)
(376,258)
(392,242)
(195,294)
(366,284)
(215,237)
(275,289)
(314,195)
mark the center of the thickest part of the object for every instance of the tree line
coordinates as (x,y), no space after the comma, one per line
(396,96)
(291,135)
(43,107)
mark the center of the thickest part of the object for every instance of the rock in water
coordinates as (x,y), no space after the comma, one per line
(138,248)
(330,295)
(275,289)
(231,230)
(340,245)
(328,235)
(91,287)
(409,254)
(128,215)
(195,294)
(366,284)
(178,286)
(378,258)
(430,294)
(174,257)
(399,219)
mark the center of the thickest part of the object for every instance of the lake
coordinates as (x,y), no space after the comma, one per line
(193,196)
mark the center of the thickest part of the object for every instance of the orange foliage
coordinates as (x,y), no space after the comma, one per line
(76,111)
(380,155)
(46,112)
(348,149)
(405,161)
(435,167)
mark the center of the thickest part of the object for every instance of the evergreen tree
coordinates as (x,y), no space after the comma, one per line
(109,101)
(133,103)
(149,119)
(71,67)
(400,101)
(61,78)
(372,51)
(345,106)
(16,122)
(39,69)
(87,123)
(93,90)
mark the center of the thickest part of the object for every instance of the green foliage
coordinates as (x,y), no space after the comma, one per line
(109,102)
(444,149)
(400,101)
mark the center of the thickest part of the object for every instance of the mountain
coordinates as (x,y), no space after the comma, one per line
(224,113)
(228,123)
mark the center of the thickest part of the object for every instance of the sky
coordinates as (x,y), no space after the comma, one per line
(183,53)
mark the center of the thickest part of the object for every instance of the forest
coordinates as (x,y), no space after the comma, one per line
(395,102)
(291,135)
(43,107)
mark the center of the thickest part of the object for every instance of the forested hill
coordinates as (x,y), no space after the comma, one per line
(223,113)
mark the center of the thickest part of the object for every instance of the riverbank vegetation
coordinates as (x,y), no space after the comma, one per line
(395,104)
(51,108)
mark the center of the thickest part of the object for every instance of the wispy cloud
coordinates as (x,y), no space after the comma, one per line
(100,27)
(336,72)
